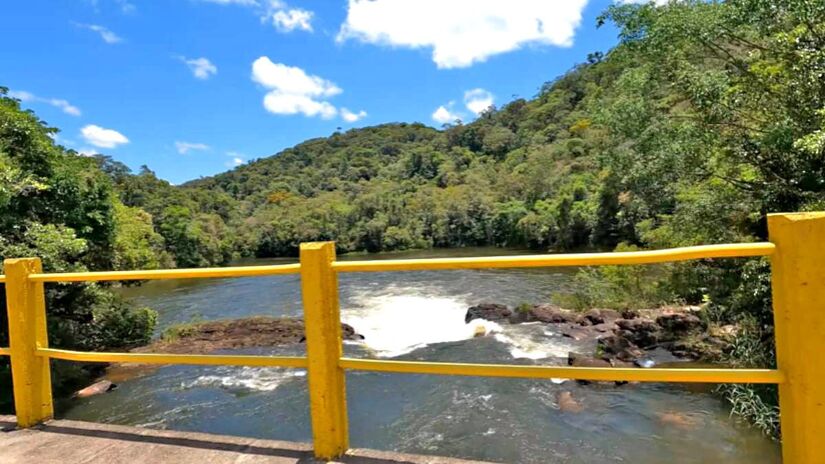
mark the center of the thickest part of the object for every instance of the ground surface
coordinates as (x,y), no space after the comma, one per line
(64,441)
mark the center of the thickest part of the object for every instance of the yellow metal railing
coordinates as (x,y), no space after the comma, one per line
(797,251)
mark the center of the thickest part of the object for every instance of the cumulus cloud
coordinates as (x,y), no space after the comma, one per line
(478,100)
(443,115)
(185,147)
(277,12)
(201,68)
(349,116)
(103,138)
(291,19)
(293,91)
(462,32)
(108,36)
(60,103)
(237,159)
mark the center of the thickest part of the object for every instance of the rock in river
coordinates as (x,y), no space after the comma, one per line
(96,388)
(488,311)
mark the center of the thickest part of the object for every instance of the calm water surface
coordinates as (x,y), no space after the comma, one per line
(420,315)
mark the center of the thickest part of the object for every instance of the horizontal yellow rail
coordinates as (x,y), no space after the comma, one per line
(203,273)
(5,352)
(190,359)
(739,250)
(2,279)
(580,373)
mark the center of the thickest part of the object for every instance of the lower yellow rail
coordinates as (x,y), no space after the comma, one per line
(191,359)
(5,352)
(579,373)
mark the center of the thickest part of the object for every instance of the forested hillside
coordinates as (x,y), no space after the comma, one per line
(703,119)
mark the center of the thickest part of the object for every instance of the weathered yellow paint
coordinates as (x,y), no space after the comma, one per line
(26,306)
(564,372)
(190,359)
(327,391)
(798,281)
(560,260)
(162,274)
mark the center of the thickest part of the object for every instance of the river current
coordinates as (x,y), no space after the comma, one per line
(420,315)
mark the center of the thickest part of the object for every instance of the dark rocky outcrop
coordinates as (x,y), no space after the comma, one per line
(581,360)
(251,332)
(488,311)
(680,323)
(619,347)
(640,331)
(546,313)
(620,336)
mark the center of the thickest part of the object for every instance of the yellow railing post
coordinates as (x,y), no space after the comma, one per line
(798,282)
(322,321)
(26,306)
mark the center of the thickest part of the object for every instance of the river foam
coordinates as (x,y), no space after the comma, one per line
(398,320)
(245,378)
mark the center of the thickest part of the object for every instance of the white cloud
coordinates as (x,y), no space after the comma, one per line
(289,20)
(349,116)
(63,105)
(108,36)
(201,68)
(462,32)
(87,151)
(293,91)
(237,159)
(443,115)
(103,138)
(478,100)
(277,12)
(185,147)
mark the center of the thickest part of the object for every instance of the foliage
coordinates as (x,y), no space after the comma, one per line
(60,207)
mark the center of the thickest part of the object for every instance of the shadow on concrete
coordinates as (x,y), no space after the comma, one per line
(279,451)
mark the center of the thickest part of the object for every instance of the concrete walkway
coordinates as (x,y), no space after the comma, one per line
(65,441)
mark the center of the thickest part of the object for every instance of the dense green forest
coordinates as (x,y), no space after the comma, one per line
(704,118)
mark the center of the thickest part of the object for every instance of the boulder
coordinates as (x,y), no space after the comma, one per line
(546,313)
(680,323)
(96,388)
(348,333)
(567,403)
(619,347)
(581,360)
(593,317)
(629,314)
(488,311)
(640,331)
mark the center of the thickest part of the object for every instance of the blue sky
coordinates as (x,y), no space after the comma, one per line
(193,87)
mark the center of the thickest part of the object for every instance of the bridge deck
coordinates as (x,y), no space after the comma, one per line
(65,441)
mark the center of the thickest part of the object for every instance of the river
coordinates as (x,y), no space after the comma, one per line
(420,316)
